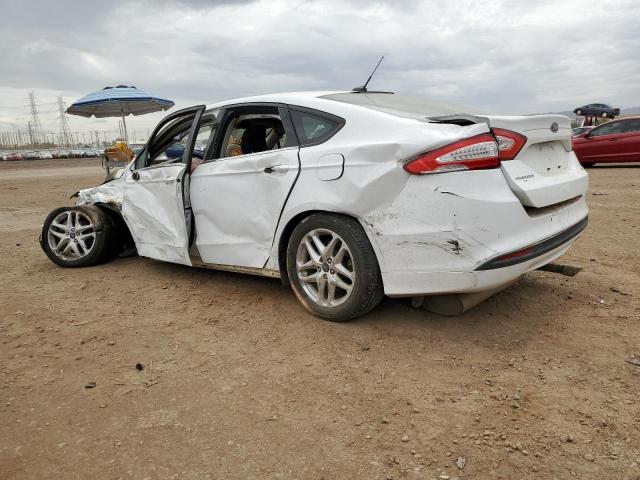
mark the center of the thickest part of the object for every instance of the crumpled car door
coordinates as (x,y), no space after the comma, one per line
(154,211)
(156,204)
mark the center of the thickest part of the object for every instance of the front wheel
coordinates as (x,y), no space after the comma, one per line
(332,267)
(77,236)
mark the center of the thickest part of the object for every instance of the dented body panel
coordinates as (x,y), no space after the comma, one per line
(430,233)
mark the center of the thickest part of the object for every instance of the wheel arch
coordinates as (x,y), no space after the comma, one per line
(293,221)
(113,211)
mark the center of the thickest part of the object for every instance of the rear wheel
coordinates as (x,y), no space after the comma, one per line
(77,236)
(332,267)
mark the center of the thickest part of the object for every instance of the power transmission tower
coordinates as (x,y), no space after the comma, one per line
(30,134)
(65,133)
(36,126)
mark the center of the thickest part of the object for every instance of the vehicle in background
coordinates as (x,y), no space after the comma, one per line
(177,149)
(597,110)
(580,131)
(30,155)
(614,141)
(61,154)
(345,196)
(13,157)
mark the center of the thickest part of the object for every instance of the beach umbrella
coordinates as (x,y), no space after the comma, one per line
(118,101)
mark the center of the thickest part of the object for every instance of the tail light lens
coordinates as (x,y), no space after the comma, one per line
(509,143)
(472,153)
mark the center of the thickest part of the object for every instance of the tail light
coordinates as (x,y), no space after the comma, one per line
(472,153)
(509,143)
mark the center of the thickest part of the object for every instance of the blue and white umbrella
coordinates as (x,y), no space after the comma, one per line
(118,101)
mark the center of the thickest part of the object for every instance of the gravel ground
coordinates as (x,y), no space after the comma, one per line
(238,381)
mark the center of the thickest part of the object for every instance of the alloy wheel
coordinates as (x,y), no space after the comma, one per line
(325,268)
(71,235)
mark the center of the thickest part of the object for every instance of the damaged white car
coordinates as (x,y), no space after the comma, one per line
(346,196)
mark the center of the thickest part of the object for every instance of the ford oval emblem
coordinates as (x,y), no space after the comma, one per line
(554,127)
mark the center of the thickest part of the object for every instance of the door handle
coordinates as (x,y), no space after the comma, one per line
(135,176)
(277,169)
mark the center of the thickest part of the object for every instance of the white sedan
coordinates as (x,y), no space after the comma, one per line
(346,196)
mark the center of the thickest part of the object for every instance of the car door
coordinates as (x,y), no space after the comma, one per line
(602,143)
(630,141)
(238,197)
(155,191)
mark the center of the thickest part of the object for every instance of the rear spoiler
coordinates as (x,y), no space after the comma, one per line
(461,119)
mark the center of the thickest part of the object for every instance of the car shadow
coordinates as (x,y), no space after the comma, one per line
(514,315)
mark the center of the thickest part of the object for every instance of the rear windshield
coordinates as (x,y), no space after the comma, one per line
(402,105)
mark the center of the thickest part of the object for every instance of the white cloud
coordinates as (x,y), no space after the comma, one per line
(499,55)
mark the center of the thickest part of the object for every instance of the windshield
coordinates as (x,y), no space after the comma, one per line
(402,105)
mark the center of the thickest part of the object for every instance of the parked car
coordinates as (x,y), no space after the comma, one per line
(580,130)
(597,110)
(345,196)
(14,156)
(614,141)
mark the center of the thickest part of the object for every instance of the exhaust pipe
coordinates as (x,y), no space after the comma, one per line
(458,303)
(562,269)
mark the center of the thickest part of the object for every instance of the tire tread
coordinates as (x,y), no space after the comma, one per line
(371,291)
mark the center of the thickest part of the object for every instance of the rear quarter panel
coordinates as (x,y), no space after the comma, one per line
(375,145)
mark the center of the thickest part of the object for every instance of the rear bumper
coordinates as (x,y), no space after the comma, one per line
(537,249)
(441,236)
(409,284)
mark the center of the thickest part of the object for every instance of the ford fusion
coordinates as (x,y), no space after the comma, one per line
(345,196)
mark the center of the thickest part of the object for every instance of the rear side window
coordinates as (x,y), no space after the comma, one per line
(632,125)
(607,129)
(314,127)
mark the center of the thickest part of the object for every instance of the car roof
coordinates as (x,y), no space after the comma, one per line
(298,98)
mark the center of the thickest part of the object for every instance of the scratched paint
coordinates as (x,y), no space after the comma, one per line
(428,232)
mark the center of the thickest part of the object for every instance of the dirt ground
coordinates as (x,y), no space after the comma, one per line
(239,382)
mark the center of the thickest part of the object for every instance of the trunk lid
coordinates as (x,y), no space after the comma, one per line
(545,171)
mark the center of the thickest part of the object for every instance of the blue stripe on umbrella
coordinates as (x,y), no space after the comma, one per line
(118,101)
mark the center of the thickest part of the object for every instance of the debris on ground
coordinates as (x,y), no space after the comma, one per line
(634,361)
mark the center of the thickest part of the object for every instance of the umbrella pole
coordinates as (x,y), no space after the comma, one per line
(124,124)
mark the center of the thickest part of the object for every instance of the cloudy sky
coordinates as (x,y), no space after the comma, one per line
(499,55)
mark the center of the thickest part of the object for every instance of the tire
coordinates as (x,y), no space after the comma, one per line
(578,112)
(349,248)
(89,227)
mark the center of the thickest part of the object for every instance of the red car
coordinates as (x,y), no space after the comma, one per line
(614,141)
(14,156)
